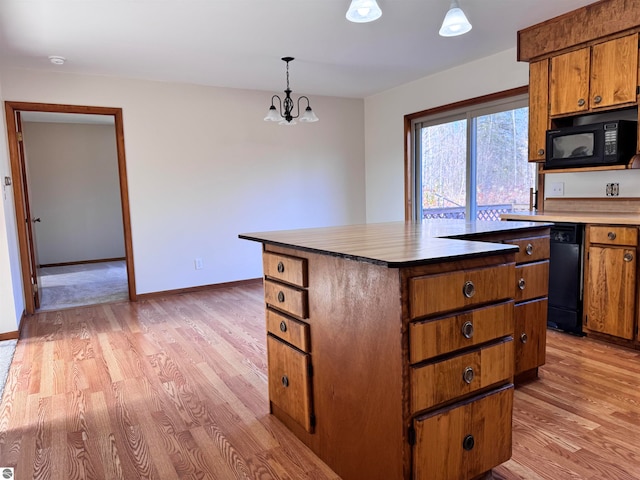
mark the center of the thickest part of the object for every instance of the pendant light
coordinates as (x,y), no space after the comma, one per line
(287,117)
(455,22)
(362,11)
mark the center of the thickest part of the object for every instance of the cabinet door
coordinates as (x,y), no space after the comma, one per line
(610,290)
(569,89)
(614,70)
(530,335)
(538,109)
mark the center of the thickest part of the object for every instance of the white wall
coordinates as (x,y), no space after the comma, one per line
(74,189)
(11,298)
(203,167)
(384,118)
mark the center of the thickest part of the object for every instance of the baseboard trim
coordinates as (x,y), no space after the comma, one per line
(214,286)
(80,262)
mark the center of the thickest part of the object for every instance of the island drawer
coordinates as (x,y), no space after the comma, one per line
(433,294)
(286,298)
(289,381)
(285,268)
(460,442)
(461,375)
(613,235)
(530,334)
(531,249)
(532,280)
(289,329)
(430,338)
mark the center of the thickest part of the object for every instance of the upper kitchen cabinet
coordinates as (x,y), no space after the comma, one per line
(600,76)
(538,109)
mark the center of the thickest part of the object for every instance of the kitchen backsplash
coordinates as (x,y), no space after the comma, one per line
(605,183)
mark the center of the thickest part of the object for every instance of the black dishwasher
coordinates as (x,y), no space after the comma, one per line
(565,277)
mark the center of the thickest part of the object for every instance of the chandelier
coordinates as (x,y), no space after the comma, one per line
(287,117)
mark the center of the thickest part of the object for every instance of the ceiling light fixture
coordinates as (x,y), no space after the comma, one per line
(455,22)
(362,11)
(287,117)
(57,59)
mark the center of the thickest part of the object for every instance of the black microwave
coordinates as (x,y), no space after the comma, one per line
(596,144)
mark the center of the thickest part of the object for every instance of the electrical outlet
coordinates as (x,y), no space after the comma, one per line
(198,264)
(612,190)
(557,189)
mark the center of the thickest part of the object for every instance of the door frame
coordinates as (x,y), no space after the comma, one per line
(19,188)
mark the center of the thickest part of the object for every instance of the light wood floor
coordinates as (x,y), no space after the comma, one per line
(175,388)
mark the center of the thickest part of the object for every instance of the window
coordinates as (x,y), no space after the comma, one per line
(473,162)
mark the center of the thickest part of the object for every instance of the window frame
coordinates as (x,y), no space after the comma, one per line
(477,106)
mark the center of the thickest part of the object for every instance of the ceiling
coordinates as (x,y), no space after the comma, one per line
(239,43)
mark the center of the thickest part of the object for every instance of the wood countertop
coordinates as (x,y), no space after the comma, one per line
(397,244)
(608,218)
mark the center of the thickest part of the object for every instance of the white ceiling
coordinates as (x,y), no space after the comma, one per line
(239,43)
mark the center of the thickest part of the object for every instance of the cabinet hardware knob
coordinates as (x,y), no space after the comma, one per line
(467,329)
(529,249)
(611,235)
(524,338)
(468,442)
(280,267)
(597,99)
(581,102)
(281,296)
(468,375)
(285,381)
(628,257)
(541,152)
(283,326)
(522,284)
(469,289)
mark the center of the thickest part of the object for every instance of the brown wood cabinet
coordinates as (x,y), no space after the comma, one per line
(610,281)
(597,77)
(538,109)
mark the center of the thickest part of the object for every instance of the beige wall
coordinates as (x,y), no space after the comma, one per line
(74,190)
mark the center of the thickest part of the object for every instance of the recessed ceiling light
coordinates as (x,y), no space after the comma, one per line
(57,60)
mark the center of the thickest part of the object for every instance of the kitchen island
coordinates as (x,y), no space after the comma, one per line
(390,346)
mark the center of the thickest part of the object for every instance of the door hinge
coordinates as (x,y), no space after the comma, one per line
(19,136)
(586,319)
(312,420)
(638,90)
(310,370)
(411,436)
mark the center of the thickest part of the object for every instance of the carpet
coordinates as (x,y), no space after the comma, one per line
(7,349)
(83,284)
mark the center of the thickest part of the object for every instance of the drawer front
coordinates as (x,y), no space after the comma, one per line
(464,440)
(440,382)
(289,381)
(445,292)
(289,329)
(430,338)
(532,281)
(287,269)
(288,299)
(531,249)
(611,235)
(530,337)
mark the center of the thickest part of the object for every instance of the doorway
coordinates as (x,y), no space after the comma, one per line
(30,265)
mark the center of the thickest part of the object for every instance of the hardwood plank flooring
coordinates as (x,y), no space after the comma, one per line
(175,388)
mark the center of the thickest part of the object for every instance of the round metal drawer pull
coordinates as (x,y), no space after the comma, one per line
(541,151)
(283,326)
(468,375)
(468,442)
(529,249)
(611,235)
(628,257)
(285,381)
(281,296)
(524,338)
(522,284)
(280,267)
(467,329)
(469,289)
(581,102)
(597,99)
